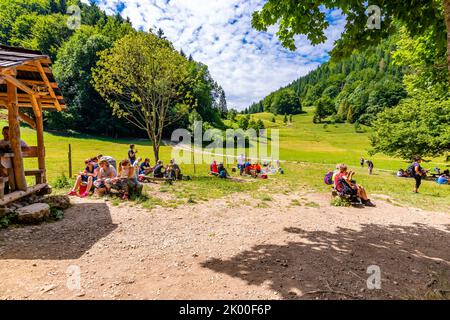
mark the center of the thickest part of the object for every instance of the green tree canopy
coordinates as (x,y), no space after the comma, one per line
(309,18)
(142,77)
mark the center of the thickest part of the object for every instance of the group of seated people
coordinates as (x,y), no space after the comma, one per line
(102,175)
(442,177)
(218,170)
(254,169)
(171,171)
(346,186)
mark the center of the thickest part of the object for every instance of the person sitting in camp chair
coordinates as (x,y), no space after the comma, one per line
(346,187)
(158,170)
(89,176)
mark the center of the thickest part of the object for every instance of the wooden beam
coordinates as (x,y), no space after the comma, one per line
(32,69)
(26,96)
(40,145)
(12,71)
(36,82)
(8,198)
(14,137)
(25,118)
(19,84)
(47,82)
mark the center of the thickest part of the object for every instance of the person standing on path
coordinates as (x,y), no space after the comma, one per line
(370,166)
(418,173)
(132,154)
(361,161)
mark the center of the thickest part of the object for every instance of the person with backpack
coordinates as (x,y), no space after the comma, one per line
(416,171)
(370,166)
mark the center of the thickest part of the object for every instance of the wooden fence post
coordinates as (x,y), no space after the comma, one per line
(70,161)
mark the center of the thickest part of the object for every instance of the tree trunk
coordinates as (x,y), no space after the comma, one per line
(156,151)
(447,22)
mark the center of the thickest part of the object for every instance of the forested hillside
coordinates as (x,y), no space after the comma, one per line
(354,89)
(45,25)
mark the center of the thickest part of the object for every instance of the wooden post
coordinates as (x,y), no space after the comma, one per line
(193,160)
(14,138)
(41,146)
(70,161)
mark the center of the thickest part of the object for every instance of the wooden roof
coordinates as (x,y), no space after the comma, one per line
(30,72)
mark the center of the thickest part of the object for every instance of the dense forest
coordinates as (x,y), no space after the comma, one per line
(44,25)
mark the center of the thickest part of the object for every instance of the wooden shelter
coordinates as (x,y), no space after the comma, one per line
(27,87)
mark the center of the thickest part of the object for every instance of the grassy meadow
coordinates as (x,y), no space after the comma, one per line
(310,150)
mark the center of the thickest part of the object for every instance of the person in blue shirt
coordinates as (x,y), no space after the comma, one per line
(145,167)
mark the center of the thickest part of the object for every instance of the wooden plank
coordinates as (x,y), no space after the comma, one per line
(47,82)
(14,196)
(14,137)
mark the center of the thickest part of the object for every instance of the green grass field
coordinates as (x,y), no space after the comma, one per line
(310,150)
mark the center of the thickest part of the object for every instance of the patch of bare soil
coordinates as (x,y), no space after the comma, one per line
(288,247)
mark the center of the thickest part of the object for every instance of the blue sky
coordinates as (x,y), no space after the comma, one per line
(246,63)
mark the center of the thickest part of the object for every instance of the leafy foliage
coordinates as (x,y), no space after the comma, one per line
(309,18)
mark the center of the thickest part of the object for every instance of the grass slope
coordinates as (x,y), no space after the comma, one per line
(311,151)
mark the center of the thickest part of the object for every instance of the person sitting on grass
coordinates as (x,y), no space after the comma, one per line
(158,170)
(106,173)
(223,173)
(145,168)
(344,184)
(89,176)
(214,169)
(248,167)
(125,180)
(173,171)
(444,178)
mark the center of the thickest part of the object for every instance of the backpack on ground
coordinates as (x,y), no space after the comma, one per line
(329,178)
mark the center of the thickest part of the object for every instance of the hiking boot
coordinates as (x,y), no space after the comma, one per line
(368,203)
(84,195)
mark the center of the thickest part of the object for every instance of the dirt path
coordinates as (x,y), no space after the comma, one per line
(234,248)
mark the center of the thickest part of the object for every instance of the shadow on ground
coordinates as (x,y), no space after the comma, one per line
(83,226)
(414,261)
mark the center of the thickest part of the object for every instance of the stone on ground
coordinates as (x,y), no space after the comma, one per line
(34,213)
(59,202)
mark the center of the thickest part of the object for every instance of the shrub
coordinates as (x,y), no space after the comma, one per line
(340,202)
(61,182)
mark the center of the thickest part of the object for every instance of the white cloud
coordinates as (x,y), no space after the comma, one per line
(248,64)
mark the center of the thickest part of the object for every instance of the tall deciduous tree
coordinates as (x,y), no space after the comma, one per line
(142,78)
(309,18)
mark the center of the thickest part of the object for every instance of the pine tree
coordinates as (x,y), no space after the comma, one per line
(160,33)
(350,115)
(222,102)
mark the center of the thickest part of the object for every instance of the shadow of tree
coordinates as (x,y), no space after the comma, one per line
(83,226)
(413,260)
